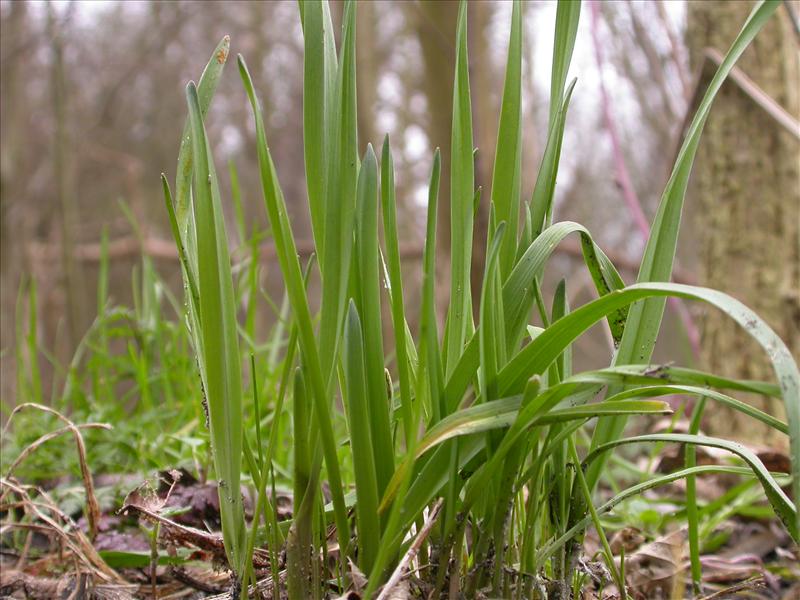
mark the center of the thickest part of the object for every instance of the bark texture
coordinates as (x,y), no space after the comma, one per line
(746,185)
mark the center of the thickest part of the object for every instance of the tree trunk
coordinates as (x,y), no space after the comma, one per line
(746,186)
(435,24)
(485,117)
(62,172)
(367,63)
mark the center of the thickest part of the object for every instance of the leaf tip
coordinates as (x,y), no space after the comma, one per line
(369,156)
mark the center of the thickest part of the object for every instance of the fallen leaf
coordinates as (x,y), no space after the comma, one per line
(628,539)
(653,568)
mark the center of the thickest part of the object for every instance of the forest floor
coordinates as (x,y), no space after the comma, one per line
(135,538)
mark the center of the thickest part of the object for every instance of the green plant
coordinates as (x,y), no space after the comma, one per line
(501,413)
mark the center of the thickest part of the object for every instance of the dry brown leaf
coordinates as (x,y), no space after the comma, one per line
(357,576)
(628,539)
(654,566)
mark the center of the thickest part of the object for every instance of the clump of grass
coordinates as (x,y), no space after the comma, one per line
(492,417)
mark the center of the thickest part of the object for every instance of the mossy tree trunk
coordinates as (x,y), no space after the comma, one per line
(746,187)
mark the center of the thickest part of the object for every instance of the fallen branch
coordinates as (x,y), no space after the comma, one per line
(74,539)
(130,247)
(263,587)
(183,534)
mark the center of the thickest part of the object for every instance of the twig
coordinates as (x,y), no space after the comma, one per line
(749,584)
(675,48)
(262,587)
(183,534)
(196,537)
(793,18)
(161,249)
(126,247)
(746,85)
(751,89)
(182,575)
(75,540)
(401,568)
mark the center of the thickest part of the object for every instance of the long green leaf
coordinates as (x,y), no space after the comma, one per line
(665,390)
(361,441)
(395,282)
(205,92)
(519,296)
(785,509)
(368,303)
(492,346)
(319,86)
(548,549)
(429,354)
(286,249)
(644,319)
(223,368)
(298,558)
(340,206)
(499,414)
(667,374)
(173,221)
(538,355)
(544,189)
(507,170)
(462,189)
(568,15)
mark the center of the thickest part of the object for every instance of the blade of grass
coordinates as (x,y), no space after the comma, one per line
(568,16)
(429,353)
(462,189)
(223,367)
(368,304)
(173,221)
(703,393)
(619,579)
(551,546)
(395,280)
(668,374)
(644,318)
(206,87)
(286,250)
(319,85)
(339,210)
(502,413)
(491,328)
(544,189)
(361,442)
(299,541)
(690,457)
(784,508)
(507,170)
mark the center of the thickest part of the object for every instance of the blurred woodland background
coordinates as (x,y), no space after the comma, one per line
(92,107)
